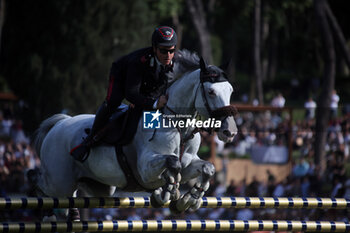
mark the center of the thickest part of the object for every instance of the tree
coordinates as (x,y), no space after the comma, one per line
(198,17)
(339,36)
(170,9)
(2,16)
(256,51)
(61,52)
(323,111)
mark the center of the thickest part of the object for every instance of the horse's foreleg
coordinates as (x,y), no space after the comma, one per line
(172,178)
(73,214)
(192,199)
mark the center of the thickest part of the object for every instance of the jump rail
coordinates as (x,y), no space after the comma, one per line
(144,202)
(178,225)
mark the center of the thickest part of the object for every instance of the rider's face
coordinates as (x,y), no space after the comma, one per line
(164,54)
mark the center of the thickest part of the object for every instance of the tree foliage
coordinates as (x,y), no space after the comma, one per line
(56,55)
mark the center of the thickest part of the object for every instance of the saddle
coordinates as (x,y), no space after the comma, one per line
(121,127)
(120,131)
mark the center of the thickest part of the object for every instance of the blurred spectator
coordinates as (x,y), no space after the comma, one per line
(310,106)
(305,187)
(245,214)
(270,176)
(5,125)
(334,103)
(241,188)
(278,101)
(133,215)
(17,133)
(253,188)
(301,168)
(220,190)
(231,189)
(158,215)
(216,214)
(337,189)
(279,190)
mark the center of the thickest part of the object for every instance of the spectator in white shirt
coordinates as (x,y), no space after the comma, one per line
(310,106)
(278,101)
(334,104)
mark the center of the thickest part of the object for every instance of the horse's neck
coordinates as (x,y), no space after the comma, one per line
(182,94)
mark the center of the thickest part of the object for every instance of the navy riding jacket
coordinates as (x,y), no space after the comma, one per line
(135,78)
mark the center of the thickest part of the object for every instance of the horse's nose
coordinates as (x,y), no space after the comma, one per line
(227,133)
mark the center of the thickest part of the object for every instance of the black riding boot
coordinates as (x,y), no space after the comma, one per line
(81,151)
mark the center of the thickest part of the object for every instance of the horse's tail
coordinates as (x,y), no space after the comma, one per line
(44,128)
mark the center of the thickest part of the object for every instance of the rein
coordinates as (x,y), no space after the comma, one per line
(183,140)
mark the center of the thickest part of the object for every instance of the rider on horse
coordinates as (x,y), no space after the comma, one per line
(140,77)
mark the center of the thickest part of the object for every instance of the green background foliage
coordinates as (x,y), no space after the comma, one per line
(56,55)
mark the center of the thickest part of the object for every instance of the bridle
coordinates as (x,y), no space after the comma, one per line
(213,77)
(226,111)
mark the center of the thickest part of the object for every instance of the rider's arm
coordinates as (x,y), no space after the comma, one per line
(132,88)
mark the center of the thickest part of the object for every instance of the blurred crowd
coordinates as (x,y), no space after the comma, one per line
(16,154)
(267,128)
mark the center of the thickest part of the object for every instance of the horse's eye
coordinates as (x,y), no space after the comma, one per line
(211,93)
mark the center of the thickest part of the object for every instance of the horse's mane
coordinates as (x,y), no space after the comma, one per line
(185,61)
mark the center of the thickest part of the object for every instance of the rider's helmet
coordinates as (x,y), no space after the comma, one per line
(164,36)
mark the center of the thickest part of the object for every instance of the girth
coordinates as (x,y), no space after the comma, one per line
(132,185)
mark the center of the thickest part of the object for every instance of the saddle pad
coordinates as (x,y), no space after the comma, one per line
(122,128)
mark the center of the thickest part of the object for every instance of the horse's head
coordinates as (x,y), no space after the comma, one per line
(213,100)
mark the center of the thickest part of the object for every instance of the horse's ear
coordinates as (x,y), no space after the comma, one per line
(202,64)
(226,65)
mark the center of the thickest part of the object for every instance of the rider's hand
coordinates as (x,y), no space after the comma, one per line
(162,101)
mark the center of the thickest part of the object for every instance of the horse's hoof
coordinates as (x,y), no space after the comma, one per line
(176,196)
(173,208)
(155,203)
(73,215)
(196,206)
(208,171)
